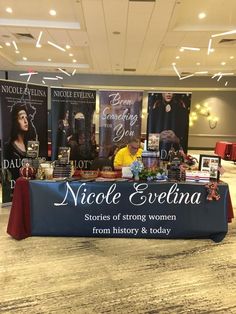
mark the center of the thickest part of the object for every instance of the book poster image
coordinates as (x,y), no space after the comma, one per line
(72,124)
(23,119)
(119,119)
(168,115)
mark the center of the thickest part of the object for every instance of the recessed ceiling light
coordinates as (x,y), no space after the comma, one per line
(231,57)
(177,57)
(17,51)
(201,15)
(71,54)
(67,46)
(198,63)
(24,58)
(49,59)
(173,63)
(223,63)
(52,12)
(0,47)
(9,10)
(74,60)
(181,49)
(8,44)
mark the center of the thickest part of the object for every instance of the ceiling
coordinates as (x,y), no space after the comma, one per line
(119,37)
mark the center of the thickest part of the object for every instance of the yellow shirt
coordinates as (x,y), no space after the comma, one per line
(123,157)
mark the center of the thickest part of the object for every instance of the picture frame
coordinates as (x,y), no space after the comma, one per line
(210,163)
(32,149)
(153,141)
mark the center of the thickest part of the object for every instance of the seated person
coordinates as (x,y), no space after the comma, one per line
(127,155)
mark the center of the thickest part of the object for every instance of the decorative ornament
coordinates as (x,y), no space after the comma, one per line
(27,171)
(212,191)
(168,108)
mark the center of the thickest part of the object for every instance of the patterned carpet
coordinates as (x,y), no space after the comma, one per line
(89,275)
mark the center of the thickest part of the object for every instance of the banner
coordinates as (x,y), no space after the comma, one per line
(23,119)
(168,119)
(119,119)
(72,124)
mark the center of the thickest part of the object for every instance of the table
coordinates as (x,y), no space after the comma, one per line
(118,209)
(223,149)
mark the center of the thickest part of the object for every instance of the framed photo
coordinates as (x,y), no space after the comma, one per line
(153,141)
(211,164)
(32,149)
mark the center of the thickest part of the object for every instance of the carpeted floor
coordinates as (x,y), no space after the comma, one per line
(92,275)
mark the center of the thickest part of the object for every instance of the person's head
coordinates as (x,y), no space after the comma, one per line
(133,145)
(167,97)
(19,121)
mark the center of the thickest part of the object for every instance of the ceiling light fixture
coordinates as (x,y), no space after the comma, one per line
(49,59)
(63,71)
(185,77)
(14,44)
(176,71)
(56,46)
(190,48)
(52,12)
(223,34)
(24,58)
(223,63)
(67,46)
(231,57)
(50,78)
(17,51)
(8,44)
(74,61)
(28,73)
(209,46)
(201,72)
(9,10)
(177,57)
(201,15)
(37,43)
(71,55)
(198,63)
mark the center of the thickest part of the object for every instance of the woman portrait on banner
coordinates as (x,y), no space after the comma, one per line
(64,130)
(168,115)
(21,132)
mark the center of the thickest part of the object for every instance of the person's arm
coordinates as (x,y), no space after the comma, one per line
(118,160)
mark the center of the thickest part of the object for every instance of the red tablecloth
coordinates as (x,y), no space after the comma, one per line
(223,149)
(233,152)
(19,225)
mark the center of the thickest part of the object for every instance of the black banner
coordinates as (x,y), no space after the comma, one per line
(168,117)
(23,118)
(72,124)
(124,209)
